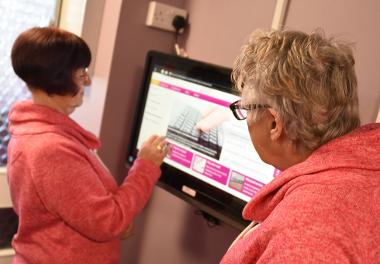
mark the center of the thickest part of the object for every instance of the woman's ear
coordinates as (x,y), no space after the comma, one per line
(277,126)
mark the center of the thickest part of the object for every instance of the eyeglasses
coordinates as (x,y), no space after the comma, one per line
(241,112)
(83,75)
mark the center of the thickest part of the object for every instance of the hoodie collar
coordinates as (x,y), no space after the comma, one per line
(359,149)
(27,118)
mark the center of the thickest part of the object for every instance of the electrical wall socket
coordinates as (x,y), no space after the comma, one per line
(161,15)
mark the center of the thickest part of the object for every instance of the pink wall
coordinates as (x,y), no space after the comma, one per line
(168,231)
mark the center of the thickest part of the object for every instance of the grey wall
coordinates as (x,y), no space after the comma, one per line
(133,41)
(219,27)
(168,231)
(218,30)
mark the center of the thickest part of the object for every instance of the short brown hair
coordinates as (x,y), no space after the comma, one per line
(45,58)
(309,80)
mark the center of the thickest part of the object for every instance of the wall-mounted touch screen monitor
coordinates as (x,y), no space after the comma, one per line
(212,164)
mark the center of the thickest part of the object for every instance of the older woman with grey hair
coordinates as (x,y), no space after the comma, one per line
(299,97)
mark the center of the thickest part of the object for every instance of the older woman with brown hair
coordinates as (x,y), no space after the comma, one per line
(70,208)
(299,97)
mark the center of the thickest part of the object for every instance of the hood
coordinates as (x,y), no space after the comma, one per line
(27,118)
(358,150)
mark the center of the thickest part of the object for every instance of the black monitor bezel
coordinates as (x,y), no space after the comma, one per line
(221,205)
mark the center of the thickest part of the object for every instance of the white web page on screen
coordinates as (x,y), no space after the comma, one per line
(223,156)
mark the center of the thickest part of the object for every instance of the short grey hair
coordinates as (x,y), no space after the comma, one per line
(308,79)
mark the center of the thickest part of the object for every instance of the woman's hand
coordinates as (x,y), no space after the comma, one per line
(213,117)
(154,149)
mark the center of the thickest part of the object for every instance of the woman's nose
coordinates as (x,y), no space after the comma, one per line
(87,81)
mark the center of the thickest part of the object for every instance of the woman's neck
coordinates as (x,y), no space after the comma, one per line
(52,101)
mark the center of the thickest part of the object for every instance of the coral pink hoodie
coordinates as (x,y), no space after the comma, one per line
(69,206)
(323,210)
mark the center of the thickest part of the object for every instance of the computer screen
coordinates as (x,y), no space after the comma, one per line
(212,163)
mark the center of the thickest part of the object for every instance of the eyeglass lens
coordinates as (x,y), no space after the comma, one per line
(242,113)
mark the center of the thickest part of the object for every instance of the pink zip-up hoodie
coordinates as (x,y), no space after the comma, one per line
(323,210)
(69,206)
